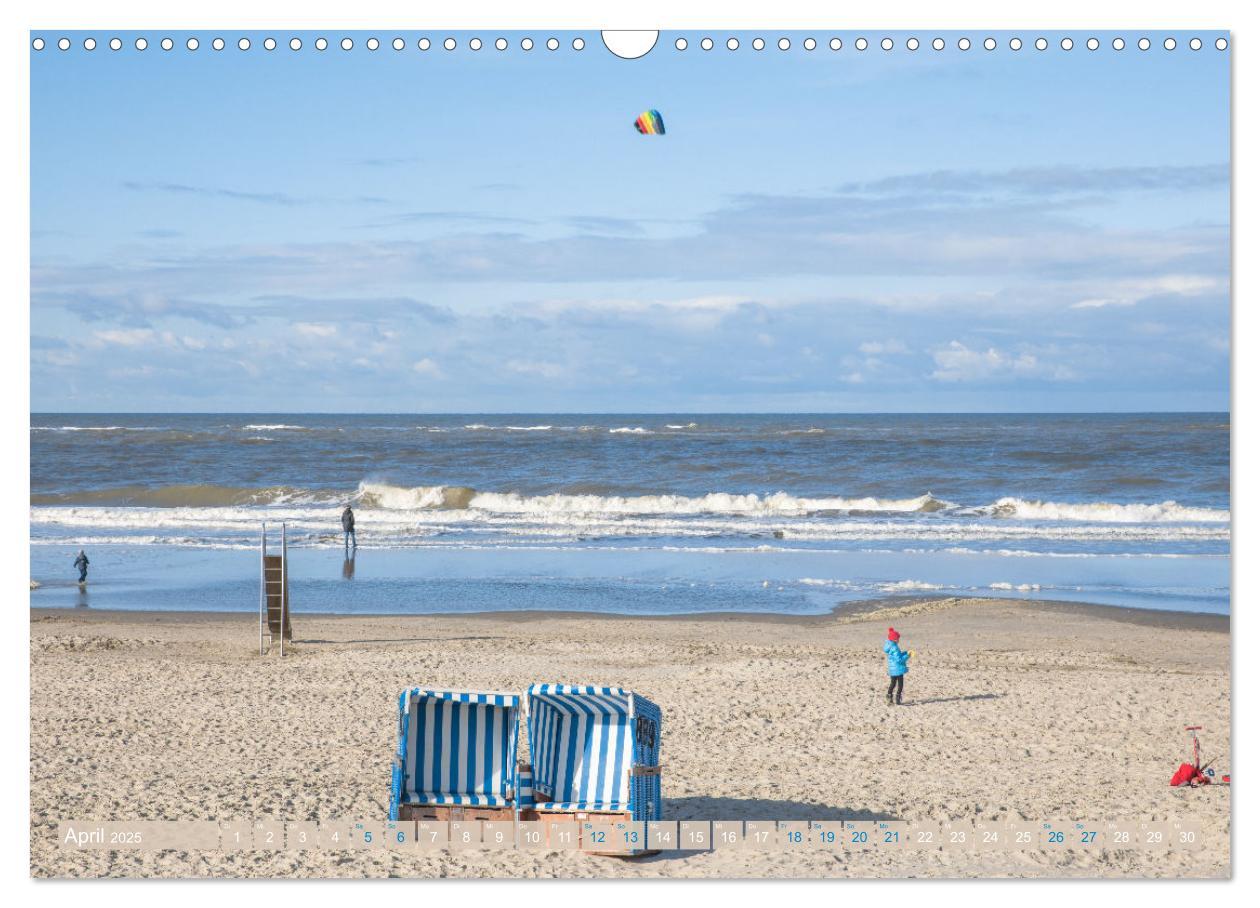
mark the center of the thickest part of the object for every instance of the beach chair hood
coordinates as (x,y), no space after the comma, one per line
(594,748)
(455,747)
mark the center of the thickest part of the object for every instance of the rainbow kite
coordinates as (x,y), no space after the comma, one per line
(650,123)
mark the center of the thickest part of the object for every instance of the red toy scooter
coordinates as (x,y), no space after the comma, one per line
(1195,774)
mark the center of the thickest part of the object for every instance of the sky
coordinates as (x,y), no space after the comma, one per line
(818,231)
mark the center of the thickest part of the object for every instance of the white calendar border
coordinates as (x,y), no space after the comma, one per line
(666,14)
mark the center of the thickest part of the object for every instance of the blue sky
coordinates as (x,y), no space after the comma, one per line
(456,231)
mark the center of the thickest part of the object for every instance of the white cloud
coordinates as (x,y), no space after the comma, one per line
(957,362)
(535,367)
(427,367)
(59,357)
(131,372)
(125,337)
(696,315)
(716,303)
(315,329)
(141,337)
(1219,343)
(876,348)
(1130,293)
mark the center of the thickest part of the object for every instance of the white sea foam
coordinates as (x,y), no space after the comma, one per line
(630,430)
(146,540)
(906,586)
(1103,512)
(407,515)
(484,427)
(270,427)
(94,428)
(422,514)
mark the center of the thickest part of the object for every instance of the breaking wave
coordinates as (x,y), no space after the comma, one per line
(414,498)
(384,496)
(778,504)
(1103,512)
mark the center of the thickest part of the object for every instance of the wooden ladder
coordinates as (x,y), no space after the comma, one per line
(273,598)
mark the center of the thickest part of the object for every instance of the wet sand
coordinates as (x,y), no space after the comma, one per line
(1014,710)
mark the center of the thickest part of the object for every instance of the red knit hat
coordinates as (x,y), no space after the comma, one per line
(893,635)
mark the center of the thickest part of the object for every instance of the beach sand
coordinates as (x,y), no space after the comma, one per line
(1015,710)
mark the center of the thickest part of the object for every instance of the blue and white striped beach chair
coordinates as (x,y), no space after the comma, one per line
(456,755)
(594,750)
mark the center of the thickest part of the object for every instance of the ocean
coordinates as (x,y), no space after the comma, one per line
(632,513)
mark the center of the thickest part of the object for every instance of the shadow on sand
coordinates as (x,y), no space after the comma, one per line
(763,809)
(969,697)
(403,640)
(753,809)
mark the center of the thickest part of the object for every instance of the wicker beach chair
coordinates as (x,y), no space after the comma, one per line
(594,755)
(456,756)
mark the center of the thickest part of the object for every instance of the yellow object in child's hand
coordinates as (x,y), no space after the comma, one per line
(911,654)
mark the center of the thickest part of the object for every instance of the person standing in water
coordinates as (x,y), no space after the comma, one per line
(898,665)
(347,525)
(82,563)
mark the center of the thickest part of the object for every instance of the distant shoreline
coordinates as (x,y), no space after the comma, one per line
(895,607)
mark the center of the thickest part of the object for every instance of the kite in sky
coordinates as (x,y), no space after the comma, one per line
(650,123)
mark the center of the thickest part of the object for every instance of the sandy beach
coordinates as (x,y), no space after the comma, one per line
(1014,709)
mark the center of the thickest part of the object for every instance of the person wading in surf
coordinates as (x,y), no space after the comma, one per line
(347,526)
(898,665)
(82,564)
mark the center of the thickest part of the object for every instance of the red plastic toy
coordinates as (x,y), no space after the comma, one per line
(1194,774)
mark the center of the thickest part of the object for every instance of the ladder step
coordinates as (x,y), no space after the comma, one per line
(275,592)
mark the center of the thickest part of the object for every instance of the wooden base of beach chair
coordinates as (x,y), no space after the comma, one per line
(578,816)
(602,817)
(446,812)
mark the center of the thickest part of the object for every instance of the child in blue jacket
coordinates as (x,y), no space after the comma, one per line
(898,665)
